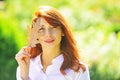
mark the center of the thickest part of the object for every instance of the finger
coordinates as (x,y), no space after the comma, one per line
(21,55)
(23,59)
(24,50)
(27,50)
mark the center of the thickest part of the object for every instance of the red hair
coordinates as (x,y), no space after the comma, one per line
(68,44)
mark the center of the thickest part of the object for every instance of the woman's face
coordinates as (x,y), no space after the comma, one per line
(48,35)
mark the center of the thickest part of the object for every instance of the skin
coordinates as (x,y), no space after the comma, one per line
(49,38)
(23,59)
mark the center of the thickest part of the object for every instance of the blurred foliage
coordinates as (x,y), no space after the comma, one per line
(96,26)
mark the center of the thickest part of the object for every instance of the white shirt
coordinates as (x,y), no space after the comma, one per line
(52,71)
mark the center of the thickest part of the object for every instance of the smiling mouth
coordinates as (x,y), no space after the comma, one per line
(49,41)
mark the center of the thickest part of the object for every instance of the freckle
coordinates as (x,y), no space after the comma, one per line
(37,39)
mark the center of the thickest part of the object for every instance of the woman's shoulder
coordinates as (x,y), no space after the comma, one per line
(84,73)
(83,66)
(79,75)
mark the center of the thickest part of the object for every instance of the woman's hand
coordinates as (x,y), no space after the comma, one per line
(23,59)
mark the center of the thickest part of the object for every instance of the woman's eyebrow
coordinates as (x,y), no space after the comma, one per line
(42,25)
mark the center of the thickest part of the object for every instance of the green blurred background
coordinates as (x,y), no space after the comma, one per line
(95,24)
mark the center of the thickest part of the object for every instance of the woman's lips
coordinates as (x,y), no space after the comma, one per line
(49,41)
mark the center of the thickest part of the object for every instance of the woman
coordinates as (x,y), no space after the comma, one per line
(52,53)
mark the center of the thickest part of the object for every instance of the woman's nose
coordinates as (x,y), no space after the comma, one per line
(47,33)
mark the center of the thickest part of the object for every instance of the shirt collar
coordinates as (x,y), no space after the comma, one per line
(54,68)
(56,61)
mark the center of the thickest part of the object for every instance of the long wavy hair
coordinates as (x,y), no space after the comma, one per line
(68,44)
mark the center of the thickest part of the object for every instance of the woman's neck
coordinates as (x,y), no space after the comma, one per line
(48,55)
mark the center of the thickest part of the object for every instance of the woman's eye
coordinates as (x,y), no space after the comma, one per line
(41,29)
(54,27)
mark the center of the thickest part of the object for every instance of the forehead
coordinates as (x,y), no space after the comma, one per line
(41,22)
